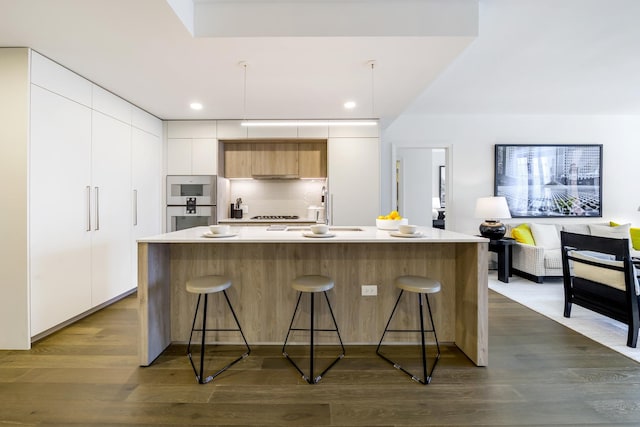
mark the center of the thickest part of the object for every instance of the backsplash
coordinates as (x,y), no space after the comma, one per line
(277,197)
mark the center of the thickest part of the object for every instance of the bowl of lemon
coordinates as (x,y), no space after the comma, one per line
(391,221)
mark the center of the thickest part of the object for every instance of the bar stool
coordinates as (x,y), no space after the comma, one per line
(312,284)
(206,285)
(420,285)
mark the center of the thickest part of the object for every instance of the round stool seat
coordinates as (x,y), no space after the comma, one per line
(208,284)
(418,284)
(312,283)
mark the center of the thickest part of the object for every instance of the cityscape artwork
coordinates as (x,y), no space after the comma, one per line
(550,180)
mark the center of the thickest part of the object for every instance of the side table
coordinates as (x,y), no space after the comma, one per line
(502,248)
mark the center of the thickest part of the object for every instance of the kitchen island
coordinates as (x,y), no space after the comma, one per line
(262,263)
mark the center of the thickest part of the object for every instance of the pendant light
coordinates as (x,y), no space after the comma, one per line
(372,64)
(244,65)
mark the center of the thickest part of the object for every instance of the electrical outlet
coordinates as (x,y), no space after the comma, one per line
(369,290)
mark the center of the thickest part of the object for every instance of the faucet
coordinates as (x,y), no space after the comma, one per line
(323,203)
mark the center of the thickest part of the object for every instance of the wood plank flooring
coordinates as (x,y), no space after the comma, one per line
(540,373)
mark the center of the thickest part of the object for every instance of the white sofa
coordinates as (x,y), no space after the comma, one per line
(542,261)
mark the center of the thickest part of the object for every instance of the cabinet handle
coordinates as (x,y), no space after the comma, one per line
(331,210)
(135,207)
(97,208)
(88,188)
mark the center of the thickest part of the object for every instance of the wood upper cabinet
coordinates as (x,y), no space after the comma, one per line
(274,159)
(237,160)
(286,159)
(312,160)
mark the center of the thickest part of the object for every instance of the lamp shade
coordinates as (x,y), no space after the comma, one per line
(435,203)
(492,208)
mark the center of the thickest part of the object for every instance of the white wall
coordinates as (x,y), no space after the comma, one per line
(471,139)
(438,159)
(14,126)
(275,197)
(415,189)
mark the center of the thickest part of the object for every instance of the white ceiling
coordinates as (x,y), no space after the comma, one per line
(141,51)
(530,57)
(544,57)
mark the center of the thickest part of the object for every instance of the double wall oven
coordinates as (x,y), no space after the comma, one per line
(191,201)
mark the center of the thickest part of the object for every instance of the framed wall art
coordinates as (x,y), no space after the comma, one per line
(550,180)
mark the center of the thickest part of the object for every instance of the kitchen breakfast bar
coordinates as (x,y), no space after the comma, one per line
(262,263)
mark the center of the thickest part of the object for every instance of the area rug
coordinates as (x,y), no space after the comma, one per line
(548,300)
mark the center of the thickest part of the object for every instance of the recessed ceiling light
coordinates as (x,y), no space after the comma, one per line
(196,106)
(349,105)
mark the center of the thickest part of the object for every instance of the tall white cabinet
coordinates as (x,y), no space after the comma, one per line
(111,256)
(353,163)
(92,157)
(59,211)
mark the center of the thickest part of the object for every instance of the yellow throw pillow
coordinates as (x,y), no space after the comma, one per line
(522,234)
(634,234)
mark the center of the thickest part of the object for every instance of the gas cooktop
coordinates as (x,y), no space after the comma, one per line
(276,217)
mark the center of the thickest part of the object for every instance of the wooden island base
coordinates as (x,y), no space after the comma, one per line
(264,301)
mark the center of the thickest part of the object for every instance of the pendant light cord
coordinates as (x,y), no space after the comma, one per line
(373,103)
(244,94)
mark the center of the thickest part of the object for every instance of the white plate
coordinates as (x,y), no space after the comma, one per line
(398,234)
(318,235)
(210,234)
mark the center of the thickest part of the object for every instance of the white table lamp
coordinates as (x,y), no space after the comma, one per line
(435,205)
(492,209)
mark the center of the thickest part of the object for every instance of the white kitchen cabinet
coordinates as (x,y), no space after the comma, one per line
(112,221)
(59,238)
(231,129)
(191,129)
(276,132)
(146,156)
(204,156)
(57,266)
(111,105)
(192,156)
(144,121)
(57,79)
(338,130)
(354,180)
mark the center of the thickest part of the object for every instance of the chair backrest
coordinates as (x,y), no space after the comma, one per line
(601,260)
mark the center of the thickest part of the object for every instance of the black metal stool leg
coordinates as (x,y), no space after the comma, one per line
(295,310)
(435,336)
(204,330)
(426,373)
(193,326)
(311,334)
(233,312)
(310,378)
(423,346)
(386,328)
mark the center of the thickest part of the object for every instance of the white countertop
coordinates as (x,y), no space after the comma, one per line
(298,234)
(265,221)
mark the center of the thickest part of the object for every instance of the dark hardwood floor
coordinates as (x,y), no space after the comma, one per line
(540,373)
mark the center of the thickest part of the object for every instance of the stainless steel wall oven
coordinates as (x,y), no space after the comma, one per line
(191,201)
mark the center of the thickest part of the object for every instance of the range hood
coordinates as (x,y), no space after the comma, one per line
(275,176)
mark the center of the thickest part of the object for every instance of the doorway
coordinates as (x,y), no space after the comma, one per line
(420,183)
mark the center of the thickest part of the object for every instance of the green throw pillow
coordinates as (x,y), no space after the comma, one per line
(522,234)
(634,234)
